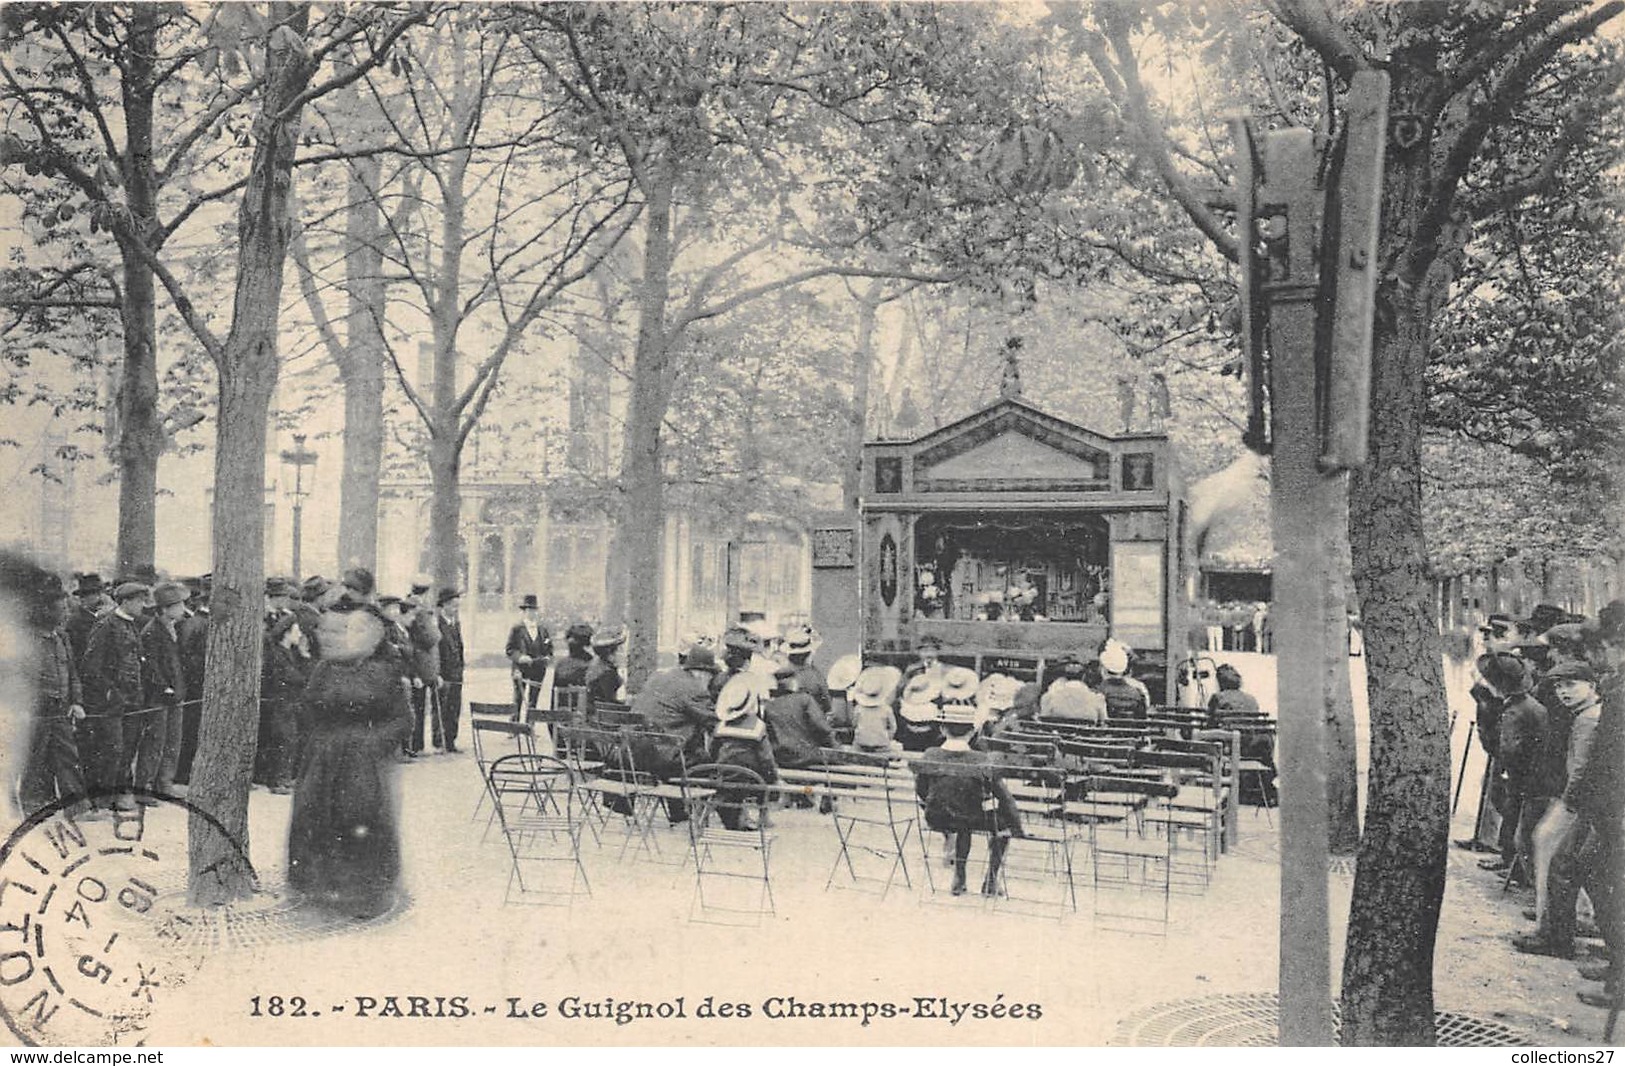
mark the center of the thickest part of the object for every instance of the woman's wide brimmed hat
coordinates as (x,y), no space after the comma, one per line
(997,692)
(742,694)
(800,640)
(873,687)
(609,638)
(1114,657)
(843,673)
(959,685)
(920,697)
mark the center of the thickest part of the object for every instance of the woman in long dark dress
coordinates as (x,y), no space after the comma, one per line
(343,842)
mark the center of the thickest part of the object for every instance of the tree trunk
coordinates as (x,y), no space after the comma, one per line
(863,359)
(362,371)
(1387,996)
(643,522)
(445,510)
(141,436)
(1342,779)
(247,365)
(445,446)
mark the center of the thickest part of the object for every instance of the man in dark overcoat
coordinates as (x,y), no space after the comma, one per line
(452,661)
(52,771)
(158,735)
(530,650)
(111,677)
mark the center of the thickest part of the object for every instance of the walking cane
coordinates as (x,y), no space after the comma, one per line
(1461,778)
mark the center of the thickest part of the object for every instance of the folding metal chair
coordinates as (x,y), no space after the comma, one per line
(657,786)
(586,750)
(535,801)
(498,733)
(873,808)
(1125,857)
(573,700)
(492,710)
(730,844)
(1196,808)
(1041,858)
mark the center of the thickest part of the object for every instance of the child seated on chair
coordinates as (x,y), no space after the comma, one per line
(741,738)
(964,806)
(873,724)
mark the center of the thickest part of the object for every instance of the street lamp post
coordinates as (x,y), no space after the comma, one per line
(299,457)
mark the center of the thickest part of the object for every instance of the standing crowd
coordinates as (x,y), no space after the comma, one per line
(1550,702)
(121,685)
(351,682)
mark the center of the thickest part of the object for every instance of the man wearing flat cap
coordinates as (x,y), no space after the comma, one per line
(308,609)
(530,650)
(359,584)
(1562,833)
(111,676)
(280,594)
(157,739)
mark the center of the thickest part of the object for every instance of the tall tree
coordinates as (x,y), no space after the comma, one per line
(109,91)
(1462,78)
(490,221)
(748,132)
(246,365)
(360,354)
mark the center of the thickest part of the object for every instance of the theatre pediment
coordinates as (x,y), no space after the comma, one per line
(1011,452)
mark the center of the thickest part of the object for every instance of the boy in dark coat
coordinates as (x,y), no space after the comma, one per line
(192,634)
(956,803)
(1529,777)
(796,725)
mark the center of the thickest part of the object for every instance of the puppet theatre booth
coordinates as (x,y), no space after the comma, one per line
(1016,538)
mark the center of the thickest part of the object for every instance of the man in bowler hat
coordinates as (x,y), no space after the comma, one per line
(158,744)
(452,656)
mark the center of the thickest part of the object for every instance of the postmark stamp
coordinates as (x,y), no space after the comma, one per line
(90,943)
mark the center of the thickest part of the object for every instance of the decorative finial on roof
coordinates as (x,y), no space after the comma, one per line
(1010,383)
(907,419)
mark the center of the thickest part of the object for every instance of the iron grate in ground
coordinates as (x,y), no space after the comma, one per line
(271,917)
(1252,1019)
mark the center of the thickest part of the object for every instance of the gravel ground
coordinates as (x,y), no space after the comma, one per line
(632,941)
